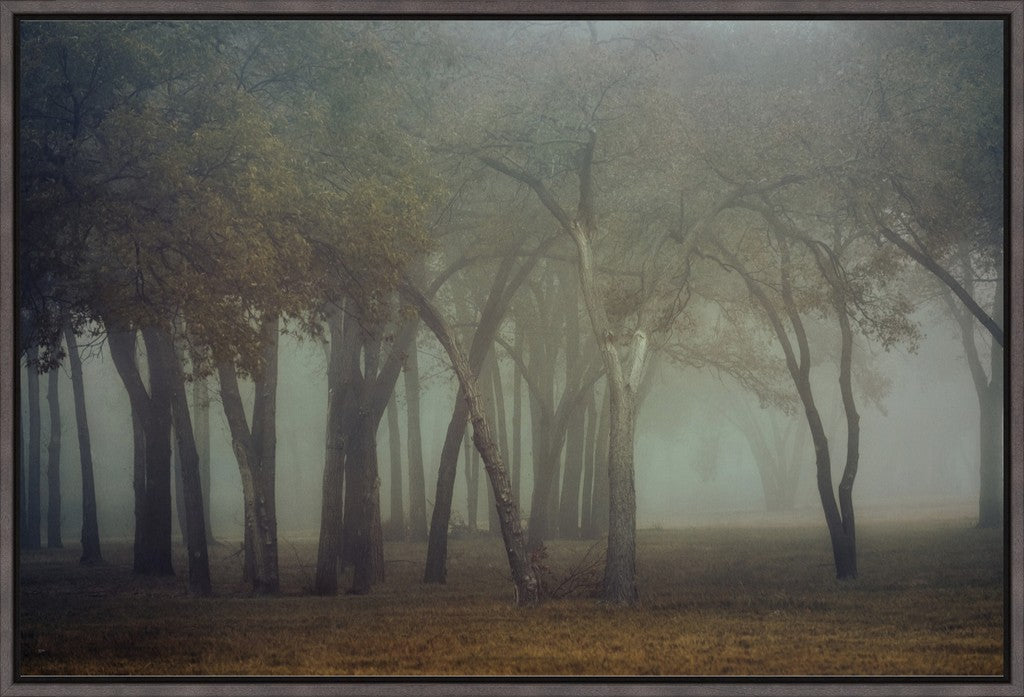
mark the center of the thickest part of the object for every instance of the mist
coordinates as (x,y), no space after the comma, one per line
(549,302)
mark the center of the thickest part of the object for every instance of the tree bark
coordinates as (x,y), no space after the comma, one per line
(396,524)
(414,440)
(364,534)
(164,358)
(340,401)
(255,452)
(589,461)
(90,526)
(53,522)
(469,467)
(201,426)
(179,487)
(32,520)
(599,504)
(523,575)
(517,421)
(151,462)
(569,504)
(503,289)
(498,394)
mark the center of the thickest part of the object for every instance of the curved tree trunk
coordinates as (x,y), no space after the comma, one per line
(437,541)
(523,575)
(53,522)
(151,468)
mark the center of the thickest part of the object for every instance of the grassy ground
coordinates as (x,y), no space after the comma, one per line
(714,601)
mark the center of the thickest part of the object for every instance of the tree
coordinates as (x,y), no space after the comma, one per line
(524,576)
(90,526)
(414,449)
(53,519)
(31,531)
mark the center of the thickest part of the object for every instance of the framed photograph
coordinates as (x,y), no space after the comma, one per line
(599,347)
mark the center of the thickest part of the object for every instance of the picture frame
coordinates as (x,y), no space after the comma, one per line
(1010,11)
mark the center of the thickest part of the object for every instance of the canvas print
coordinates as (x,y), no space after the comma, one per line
(537,346)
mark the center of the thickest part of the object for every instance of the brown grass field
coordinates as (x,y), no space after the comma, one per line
(715,601)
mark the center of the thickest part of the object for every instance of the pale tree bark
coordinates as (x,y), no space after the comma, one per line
(255,451)
(501,421)
(623,376)
(90,526)
(503,289)
(523,575)
(53,521)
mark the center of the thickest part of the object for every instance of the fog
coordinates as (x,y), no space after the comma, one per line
(751,273)
(918,459)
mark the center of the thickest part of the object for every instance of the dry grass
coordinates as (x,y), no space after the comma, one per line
(714,601)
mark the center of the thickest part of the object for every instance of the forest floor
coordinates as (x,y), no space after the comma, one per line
(723,601)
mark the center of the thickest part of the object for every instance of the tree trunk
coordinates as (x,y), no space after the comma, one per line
(339,399)
(366,536)
(179,487)
(599,502)
(990,400)
(472,469)
(163,357)
(255,452)
(396,524)
(569,504)
(414,439)
(152,553)
(53,536)
(503,289)
(523,575)
(493,524)
(619,584)
(32,522)
(543,472)
(201,425)
(990,501)
(90,526)
(590,439)
(517,421)
(437,542)
(264,436)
